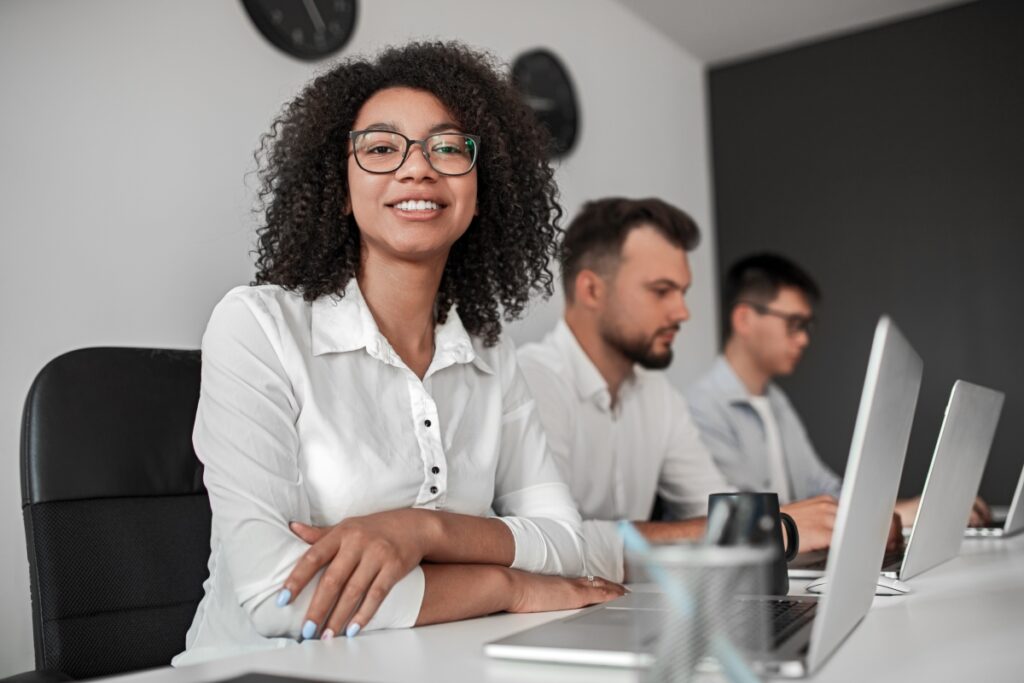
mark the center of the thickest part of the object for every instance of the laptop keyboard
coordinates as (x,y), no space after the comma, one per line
(788,616)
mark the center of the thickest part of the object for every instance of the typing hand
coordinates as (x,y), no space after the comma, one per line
(814,519)
(980,513)
(906,508)
(895,540)
(364,557)
(539,593)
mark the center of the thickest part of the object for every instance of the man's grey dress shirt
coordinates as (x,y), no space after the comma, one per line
(735,433)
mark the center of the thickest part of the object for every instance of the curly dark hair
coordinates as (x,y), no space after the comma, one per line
(307,243)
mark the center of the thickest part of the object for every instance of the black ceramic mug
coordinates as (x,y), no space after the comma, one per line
(755,519)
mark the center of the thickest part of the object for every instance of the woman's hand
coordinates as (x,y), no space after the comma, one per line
(363,558)
(540,593)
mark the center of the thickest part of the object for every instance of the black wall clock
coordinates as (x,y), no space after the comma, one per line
(545,84)
(307,29)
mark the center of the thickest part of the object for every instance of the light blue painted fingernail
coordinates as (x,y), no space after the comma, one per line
(353,630)
(308,629)
(284,597)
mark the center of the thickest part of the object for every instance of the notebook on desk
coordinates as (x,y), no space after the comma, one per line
(965,438)
(606,634)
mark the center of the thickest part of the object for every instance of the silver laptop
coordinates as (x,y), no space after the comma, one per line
(963,445)
(606,634)
(1002,526)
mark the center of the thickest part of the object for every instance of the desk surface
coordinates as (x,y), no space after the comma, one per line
(963,622)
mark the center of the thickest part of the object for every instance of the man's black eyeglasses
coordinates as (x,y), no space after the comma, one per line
(795,322)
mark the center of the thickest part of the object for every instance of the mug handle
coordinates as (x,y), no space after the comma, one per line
(792,535)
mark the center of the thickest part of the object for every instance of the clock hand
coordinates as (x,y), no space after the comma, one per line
(318,22)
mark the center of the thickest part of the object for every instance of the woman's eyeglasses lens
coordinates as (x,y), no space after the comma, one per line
(381,151)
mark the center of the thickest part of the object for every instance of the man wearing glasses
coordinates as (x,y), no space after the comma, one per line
(620,433)
(755,436)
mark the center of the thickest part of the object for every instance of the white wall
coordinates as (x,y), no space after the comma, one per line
(126,128)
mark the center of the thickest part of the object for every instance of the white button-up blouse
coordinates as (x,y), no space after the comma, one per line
(307,414)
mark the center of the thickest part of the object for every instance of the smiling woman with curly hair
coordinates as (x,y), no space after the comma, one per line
(311,243)
(361,422)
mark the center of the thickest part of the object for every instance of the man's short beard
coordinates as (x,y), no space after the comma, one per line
(639,350)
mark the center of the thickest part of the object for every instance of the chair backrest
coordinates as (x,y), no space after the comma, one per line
(117,520)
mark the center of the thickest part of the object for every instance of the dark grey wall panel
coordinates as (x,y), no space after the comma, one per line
(891,164)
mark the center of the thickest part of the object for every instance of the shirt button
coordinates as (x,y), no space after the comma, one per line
(426,422)
(433,489)
(435,469)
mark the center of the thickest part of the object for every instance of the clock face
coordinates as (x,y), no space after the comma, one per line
(307,29)
(545,85)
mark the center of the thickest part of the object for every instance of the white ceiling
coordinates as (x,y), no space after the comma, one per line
(717,31)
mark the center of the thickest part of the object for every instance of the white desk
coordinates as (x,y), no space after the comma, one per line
(963,622)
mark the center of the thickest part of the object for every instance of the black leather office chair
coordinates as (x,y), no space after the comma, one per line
(117,520)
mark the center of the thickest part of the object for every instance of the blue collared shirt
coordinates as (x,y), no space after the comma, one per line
(735,433)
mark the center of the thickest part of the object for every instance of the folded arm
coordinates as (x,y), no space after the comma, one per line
(456,591)
(529,492)
(245,436)
(362,557)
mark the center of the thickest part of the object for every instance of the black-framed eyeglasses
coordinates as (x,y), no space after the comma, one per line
(384,151)
(795,322)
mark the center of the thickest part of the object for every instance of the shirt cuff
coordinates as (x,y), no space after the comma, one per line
(603,550)
(529,555)
(545,546)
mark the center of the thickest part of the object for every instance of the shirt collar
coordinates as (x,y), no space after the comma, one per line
(730,385)
(451,340)
(587,379)
(344,324)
